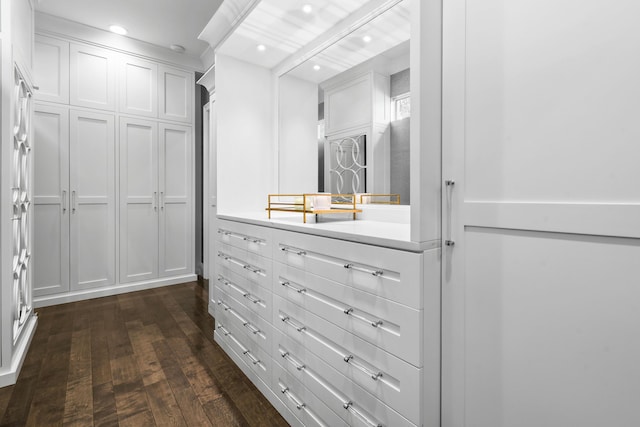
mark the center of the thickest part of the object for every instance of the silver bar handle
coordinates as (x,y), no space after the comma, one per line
(254,330)
(287,320)
(293,250)
(376,273)
(253,299)
(154,201)
(254,359)
(287,356)
(449,193)
(351,360)
(291,397)
(288,284)
(224,330)
(351,408)
(252,269)
(73,201)
(240,236)
(162,200)
(64,201)
(350,312)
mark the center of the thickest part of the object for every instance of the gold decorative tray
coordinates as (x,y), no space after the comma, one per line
(314,204)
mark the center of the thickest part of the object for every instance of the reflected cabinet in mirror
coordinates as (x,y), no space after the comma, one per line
(348,106)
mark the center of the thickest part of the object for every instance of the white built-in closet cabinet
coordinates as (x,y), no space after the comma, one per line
(114,182)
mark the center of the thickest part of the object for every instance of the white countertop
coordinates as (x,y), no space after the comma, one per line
(387,234)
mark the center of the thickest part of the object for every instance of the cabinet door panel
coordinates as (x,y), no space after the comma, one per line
(51,69)
(138,200)
(92,198)
(51,192)
(93,82)
(175,200)
(138,87)
(175,94)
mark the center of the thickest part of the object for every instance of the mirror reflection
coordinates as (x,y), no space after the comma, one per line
(349,107)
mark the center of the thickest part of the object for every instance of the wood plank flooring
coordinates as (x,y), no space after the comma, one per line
(139,359)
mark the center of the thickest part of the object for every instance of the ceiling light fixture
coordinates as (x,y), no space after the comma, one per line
(316,67)
(261,47)
(307,8)
(118,30)
(366,39)
(177,48)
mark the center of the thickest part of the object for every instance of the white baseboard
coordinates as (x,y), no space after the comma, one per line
(10,376)
(47,300)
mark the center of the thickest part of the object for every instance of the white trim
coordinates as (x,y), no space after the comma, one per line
(227,18)
(73,296)
(20,353)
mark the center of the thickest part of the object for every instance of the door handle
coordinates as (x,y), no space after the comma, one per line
(162,200)
(64,201)
(449,189)
(73,201)
(155,201)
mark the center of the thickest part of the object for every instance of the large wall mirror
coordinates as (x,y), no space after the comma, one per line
(344,113)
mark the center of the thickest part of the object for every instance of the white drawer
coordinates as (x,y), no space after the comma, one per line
(249,357)
(255,297)
(394,327)
(232,312)
(252,238)
(389,273)
(349,401)
(305,405)
(249,266)
(397,383)
(258,360)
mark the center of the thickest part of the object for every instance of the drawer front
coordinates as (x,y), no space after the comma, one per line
(249,266)
(391,326)
(232,312)
(249,357)
(389,273)
(404,398)
(258,360)
(252,238)
(305,405)
(382,374)
(253,296)
(349,401)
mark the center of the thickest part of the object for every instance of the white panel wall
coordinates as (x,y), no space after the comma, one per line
(297,135)
(245,115)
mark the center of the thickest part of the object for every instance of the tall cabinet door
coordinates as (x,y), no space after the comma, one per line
(138,200)
(138,87)
(92,185)
(93,77)
(175,94)
(51,200)
(175,175)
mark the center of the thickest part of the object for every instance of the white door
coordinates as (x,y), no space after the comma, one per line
(139,200)
(51,200)
(175,94)
(138,87)
(541,291)
(176,216)
(93,77)
(92,198)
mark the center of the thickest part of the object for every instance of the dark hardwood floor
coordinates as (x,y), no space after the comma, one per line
(140,359)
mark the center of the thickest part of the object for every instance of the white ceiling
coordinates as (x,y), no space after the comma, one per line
(159,22)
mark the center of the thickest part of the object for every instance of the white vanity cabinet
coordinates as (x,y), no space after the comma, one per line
(332,327)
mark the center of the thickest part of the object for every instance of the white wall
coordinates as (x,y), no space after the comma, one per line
(244,135)
(298,136)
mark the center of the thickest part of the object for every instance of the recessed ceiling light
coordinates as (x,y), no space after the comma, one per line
(307,8)
(118,29)
(261,47)
(366,39)
(316,67)
(177,48)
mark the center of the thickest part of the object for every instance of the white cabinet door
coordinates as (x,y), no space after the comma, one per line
(138,200)
(175,175)
(138,87)
(51,200)
(93,79)
(51,69)
(175,94)
(92,185)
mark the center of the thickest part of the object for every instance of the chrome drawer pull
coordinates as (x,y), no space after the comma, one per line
(224,330)
(350,312)
(244,265)
(252,328)
(293,250)
(376,273)
(238,289)
(252,357)
(240,236)
(244,322)
(296,364)
(299,405)
(288,285)
(351,360)
(288,321)
(349,407)
(252,298)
